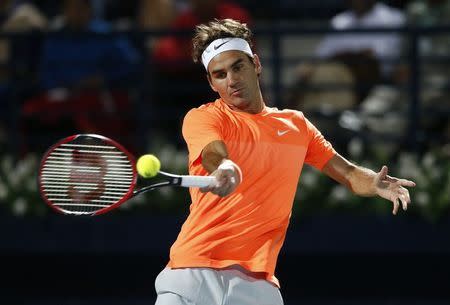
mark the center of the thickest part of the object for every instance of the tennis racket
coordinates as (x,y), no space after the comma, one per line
(89,174)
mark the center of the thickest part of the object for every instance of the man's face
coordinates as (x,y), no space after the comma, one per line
(234,76)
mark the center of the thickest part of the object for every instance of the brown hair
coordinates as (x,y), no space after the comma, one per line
(218,28)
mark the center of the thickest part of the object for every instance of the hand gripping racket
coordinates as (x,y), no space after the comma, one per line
(89,174)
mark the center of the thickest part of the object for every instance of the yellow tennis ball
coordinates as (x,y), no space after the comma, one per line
(148,166)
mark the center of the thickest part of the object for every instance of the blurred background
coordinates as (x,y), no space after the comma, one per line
(374,76)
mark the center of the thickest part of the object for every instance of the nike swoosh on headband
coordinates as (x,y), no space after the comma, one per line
(219,45)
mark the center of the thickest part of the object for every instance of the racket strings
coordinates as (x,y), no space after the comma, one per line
(86,175)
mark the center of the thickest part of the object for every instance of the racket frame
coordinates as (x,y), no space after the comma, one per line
(130,193)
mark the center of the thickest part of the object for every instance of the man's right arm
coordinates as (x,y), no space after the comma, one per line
(215,161)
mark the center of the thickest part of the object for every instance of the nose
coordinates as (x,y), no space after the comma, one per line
(232,79)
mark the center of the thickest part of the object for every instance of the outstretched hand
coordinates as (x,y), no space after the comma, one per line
(393,189)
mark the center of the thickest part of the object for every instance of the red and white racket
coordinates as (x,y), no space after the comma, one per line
(89,174)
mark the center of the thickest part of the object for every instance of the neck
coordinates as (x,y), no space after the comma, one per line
(256,107)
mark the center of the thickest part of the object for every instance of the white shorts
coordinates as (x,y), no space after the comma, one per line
(206,286)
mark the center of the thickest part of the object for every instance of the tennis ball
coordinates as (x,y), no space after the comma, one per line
(148,166)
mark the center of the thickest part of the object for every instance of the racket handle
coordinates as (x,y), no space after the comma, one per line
(198,181)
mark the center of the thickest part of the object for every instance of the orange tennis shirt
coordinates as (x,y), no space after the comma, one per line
(247,227)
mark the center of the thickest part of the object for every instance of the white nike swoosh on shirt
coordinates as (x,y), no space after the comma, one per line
(280,133)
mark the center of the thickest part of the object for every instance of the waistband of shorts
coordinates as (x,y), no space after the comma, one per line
(256,275)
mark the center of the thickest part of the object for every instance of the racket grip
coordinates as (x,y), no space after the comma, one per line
(198,181)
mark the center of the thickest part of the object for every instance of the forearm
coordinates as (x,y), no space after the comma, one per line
(213,155)
(359,180)
(228,174)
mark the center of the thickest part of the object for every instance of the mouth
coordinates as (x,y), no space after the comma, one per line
(237,92)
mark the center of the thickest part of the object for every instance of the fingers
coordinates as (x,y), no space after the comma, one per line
(405,182)
(224,190)
(383,172)
(403,198)
(380,179)
(408,198)
(402,182)
(227,181)
(404,201)
(226,184)
(396,206)
(206,189)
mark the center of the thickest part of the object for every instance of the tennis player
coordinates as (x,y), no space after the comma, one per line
(227,249)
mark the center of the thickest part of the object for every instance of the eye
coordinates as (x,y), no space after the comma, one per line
(238,67)
(221,75)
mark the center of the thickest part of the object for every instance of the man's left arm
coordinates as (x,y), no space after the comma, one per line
(365,182)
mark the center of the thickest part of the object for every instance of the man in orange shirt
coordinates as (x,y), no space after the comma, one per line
(227,249)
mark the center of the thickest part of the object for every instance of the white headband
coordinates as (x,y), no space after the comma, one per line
(224,44)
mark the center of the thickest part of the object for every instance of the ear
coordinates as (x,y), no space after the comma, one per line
(258,66)
(208,76)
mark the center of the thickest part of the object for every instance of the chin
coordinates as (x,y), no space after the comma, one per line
(240,103)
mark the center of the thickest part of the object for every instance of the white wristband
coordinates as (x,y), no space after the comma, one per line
(230,165)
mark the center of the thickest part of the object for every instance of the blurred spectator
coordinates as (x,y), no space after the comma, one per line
(121,13)
(88,61)
(435,75)
(171,60)
(84,75)
(154,15)
(16,16)
(17,56)
(429,12)
(21,16)
(124,14)
(356,60)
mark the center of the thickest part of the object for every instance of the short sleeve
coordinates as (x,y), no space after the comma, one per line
(199,129)
(319,150)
